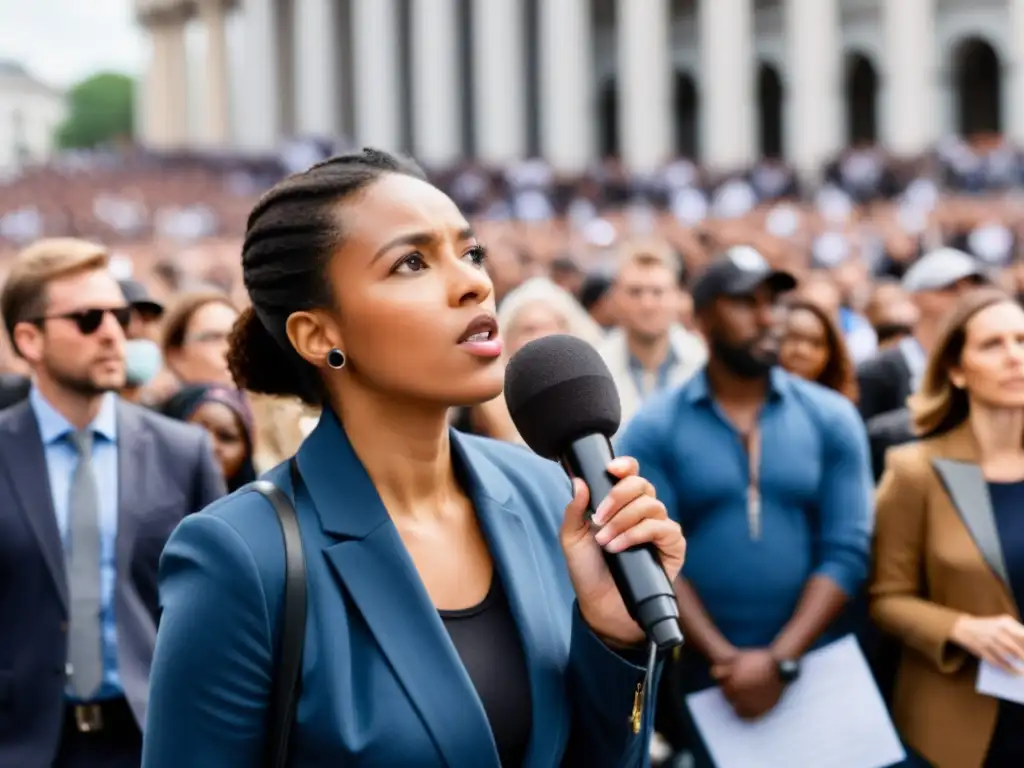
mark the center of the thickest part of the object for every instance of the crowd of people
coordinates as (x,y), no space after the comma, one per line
(823,381)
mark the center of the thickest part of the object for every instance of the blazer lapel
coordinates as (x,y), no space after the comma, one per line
(968,490)
(134,481)
(376,571)
(24,459)
(517,566)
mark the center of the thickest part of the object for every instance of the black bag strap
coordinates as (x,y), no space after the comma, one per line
(284,694)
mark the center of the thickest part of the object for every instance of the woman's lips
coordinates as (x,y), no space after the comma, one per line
(483,345)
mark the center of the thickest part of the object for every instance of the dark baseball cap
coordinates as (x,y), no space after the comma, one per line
(739,271)
(137,296)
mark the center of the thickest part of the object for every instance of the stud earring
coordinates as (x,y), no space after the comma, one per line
(336,359)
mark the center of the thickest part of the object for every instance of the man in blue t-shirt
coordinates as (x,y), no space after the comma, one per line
(770,478)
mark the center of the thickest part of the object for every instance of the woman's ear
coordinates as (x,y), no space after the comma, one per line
(957,378)
(313,336)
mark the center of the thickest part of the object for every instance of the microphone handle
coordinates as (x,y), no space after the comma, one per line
(639,577)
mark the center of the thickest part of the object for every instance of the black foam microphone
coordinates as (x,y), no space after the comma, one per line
(564,403)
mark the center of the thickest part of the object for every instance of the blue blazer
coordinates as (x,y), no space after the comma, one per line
(382,684)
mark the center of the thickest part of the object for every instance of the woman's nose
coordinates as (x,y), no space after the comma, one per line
(470,283)
(1015,352)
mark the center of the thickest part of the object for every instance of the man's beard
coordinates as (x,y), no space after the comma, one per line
(81,384)
(740,361)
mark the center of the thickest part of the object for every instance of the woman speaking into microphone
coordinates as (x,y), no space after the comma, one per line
(459,609)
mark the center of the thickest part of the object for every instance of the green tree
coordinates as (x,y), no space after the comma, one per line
(100,110)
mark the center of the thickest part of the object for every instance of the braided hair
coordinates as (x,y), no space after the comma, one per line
(289,237)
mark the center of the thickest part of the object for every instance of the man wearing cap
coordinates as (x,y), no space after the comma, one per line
(146,311)
(769,476)
(144,360)
(935,283)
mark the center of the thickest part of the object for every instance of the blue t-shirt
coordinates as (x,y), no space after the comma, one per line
(816,498)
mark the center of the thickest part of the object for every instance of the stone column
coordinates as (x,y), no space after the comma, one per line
(645,83)
(727,95)
(377,75)
(436,99)
(261,129)
(910,119)
(317,68)
(154,94)
(567,110)
(1015,130)
(499,80)
(813,129)
(176,75)
(216,122)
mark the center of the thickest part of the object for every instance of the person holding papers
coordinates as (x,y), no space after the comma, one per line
(769,474)
(949,541)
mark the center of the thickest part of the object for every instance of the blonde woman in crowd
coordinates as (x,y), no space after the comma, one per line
(949,543)
(540,308)
(535,309)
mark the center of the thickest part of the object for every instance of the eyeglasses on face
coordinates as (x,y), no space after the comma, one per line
(209,337)
(88,321)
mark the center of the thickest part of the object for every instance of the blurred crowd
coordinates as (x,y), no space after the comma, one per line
(175,219)
(883,251)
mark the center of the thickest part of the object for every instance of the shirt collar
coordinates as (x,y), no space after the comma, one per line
(53,426)
(915,357)
(698,390)
(670,359)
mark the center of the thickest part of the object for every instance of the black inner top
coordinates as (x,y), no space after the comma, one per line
(487,640)
(1006,750)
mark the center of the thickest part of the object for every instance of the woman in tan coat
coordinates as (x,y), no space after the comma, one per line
(949,542)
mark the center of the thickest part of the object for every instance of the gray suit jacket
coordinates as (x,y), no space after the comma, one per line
(166,471)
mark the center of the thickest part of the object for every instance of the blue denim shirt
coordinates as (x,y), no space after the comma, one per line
(815,488)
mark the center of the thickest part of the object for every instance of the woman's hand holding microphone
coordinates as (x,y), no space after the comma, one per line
(629,516)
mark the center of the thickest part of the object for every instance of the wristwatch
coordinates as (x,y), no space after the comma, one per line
(789,670)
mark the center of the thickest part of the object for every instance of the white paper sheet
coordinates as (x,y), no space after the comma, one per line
(993,681)
(832,716)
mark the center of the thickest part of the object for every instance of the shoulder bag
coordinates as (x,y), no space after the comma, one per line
(284,694)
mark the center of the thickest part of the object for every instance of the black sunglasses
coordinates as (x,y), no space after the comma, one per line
(89,320)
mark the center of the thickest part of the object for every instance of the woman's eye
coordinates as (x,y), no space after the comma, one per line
(414,262)
(477,254)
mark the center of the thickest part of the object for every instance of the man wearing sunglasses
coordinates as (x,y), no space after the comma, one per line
(90,488)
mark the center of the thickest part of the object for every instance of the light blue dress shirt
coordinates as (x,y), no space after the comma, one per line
(916,359)
(648,384)
(61,458)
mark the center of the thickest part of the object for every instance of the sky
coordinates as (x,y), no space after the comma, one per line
(63,41)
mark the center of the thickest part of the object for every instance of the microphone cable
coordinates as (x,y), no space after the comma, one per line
(643,691)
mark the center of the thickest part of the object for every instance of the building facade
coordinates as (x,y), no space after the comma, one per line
(722,81)
(30,112)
